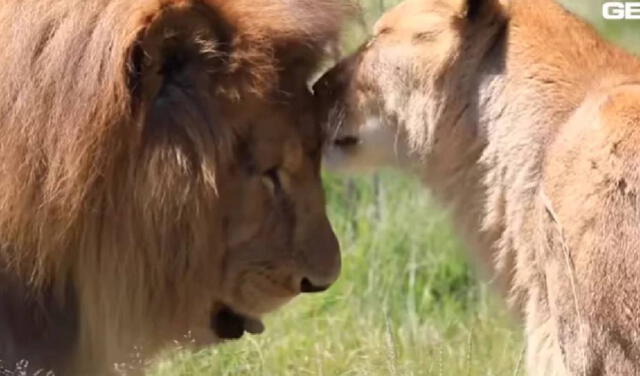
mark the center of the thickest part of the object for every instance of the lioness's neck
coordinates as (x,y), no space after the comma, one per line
(537,71)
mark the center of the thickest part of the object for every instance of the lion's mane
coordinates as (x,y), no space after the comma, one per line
(95,198)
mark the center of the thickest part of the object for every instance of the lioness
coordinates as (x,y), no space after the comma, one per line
(527,123)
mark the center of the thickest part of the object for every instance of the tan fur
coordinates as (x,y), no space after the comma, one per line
(527,124)
(159,159)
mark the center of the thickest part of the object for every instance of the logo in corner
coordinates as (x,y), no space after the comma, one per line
(618,10)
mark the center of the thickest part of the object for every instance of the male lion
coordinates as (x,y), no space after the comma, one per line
(159,173)
(522,119)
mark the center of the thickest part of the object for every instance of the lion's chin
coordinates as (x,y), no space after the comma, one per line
(228,324)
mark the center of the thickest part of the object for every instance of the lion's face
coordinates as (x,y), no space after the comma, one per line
(383,102)
(249,111)
(279,242)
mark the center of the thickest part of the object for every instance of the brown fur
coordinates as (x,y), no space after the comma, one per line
(523,120)
(158,159)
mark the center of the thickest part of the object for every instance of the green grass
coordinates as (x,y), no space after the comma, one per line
(407,302)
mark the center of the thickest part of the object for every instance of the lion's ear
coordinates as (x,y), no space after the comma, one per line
(179,51)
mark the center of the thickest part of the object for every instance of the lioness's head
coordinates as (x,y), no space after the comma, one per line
(401,95)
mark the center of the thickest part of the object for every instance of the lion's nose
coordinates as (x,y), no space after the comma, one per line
(322,263)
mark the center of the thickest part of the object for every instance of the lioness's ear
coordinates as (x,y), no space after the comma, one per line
(476,9)
(473,8)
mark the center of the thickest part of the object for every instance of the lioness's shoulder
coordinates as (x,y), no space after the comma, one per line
(607,122)
(595,156)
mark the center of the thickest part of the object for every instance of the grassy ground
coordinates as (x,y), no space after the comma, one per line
(407,303)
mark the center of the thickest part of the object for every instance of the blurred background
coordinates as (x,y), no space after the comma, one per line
(407,302)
